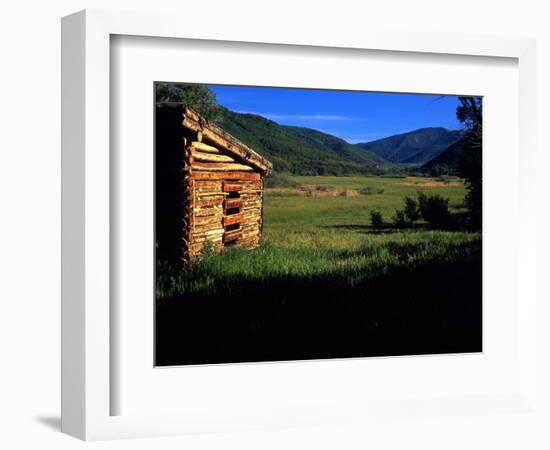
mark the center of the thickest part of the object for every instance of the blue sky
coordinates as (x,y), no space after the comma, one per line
(353,116)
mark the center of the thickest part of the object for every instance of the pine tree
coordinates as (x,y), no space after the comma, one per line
(470,114)
(197,96)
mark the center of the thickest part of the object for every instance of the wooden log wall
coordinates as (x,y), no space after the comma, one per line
(225,198)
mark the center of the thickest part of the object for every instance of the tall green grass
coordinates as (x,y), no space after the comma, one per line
(323,283)
(307,237)
(325,254)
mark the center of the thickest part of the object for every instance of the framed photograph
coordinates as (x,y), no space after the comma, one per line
(332,247)
(262,230)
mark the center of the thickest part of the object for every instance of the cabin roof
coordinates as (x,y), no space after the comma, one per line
(213,133)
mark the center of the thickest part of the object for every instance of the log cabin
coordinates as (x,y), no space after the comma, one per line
(208,186)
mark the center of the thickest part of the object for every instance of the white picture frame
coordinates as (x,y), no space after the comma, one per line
(86,248)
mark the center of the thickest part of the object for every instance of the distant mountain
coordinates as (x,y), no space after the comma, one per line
(300,151)
(415,147)
(448,160)
(339,146)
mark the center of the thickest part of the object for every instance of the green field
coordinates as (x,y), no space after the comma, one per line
(307,235)
(324,284)
(289,216)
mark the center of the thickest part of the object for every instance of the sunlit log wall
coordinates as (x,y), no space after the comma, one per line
(218,183)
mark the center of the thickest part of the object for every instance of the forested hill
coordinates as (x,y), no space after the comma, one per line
(448,161)
(415,147)
(301,151)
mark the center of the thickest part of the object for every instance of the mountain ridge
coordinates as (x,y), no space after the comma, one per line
(298,150)
(448,160)
(306,151)
(413,147)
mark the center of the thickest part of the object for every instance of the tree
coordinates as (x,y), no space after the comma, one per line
(199,97)
(376,220)
(470,113)
(434,210)
(411,209)
(400,219)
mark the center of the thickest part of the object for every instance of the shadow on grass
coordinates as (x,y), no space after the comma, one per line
(429,309)
(459,221)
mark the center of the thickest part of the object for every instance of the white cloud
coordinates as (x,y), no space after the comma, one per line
(301,117)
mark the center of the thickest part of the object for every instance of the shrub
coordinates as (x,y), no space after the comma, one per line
(434,210)
(411,209)
(349,193)
(422,201)
(370,190)
(199,97)
(376,220)
(400,219)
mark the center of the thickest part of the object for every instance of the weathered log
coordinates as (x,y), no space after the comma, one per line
(205,194)
(249,186)
(250,236)
(231,236)
(205,235)
(221,167)
(209,235)
(240,238)
(205,238)
(207,220)
(210,157)
(249,225)
(232,187)
(208,229)
(201,202)
(209,185)
(192,114)
(256,203)
(218,137)
(250,219)
(208,200)
(252,184)
(215,195)
(218,240)
(193,125)
(251,209)
(252,203)
(250,191)
(232,203)
(250,194)
(202,147)
(189,204)
(256,210)
(201,175)
(208,211)
(233,219)
(196,249)
(253,234)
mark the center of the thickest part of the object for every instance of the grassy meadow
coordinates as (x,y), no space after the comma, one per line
(323,283)
(344,213)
